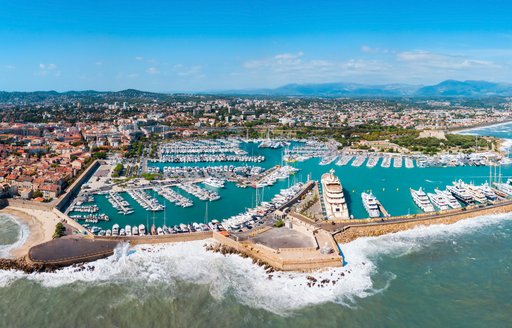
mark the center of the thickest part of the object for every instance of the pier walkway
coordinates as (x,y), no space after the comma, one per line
(382,209)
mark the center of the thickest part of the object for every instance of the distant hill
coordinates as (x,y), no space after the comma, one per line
(331,90)
(448,88)
(452,88)
(89,95)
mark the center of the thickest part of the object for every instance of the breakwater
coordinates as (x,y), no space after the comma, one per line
(25,265)
(68,251)
(355,230)
(292,259)
(159,239)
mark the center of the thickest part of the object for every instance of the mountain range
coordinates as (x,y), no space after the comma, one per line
(448,88)
(445,89)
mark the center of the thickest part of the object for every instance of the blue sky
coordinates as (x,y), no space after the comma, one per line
(214,45)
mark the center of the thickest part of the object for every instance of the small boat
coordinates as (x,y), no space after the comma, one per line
(115,229)
(142,230)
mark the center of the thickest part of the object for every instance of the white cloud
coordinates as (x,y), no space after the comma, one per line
(370,50)
(429,59)
(195,71)
(48,69)
(284,59)
(152,70)
(367,49)
(139,58)
(295,68)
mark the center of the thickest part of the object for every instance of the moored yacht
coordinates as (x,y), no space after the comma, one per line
(439,201)
(450,200)
(504,187)
(334,200)
(213,182)
(370,204)
(421,199)
(476,193)
(459,192)
(488,192)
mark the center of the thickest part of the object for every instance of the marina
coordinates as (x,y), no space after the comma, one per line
(372,161)
(174,197)
(386,161)
(397,162)
(344,159)
(202,194)
(229,182)
(145,201)
(119,203)
(359,160)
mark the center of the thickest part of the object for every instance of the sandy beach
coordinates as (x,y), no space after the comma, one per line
(41,225)
(462,130)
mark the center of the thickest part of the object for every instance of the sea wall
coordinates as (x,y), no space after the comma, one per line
(30,204)
(288,260)
(137,240)
(64,200)
(70,260)
(355,231)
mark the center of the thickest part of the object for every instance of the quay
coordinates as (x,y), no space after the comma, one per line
(382,209)
(349,230)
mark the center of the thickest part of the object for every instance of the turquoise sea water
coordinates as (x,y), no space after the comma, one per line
(438,276)
(390,185)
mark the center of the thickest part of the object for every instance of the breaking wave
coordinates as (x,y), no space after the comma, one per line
(13,234)
(231,275)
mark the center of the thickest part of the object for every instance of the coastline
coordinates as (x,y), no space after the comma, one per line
(41,226)
(478,126)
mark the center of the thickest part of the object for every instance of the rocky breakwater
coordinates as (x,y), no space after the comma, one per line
(25,265)
(226,250)
(373,229)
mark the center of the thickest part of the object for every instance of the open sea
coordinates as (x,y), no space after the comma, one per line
(438,276)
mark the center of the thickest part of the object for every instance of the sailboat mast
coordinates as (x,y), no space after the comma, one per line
(165,216)
(206,214)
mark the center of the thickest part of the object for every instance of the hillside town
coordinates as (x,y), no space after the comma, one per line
(45,142)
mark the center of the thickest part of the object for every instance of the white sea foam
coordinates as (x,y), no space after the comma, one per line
(250,284)
(23,233)
(506,145)
(503,127)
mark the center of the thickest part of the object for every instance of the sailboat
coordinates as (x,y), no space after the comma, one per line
(165,229)
(153,227)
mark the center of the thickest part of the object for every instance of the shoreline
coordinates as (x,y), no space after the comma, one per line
(42,231)
(39,231)
(478,126)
